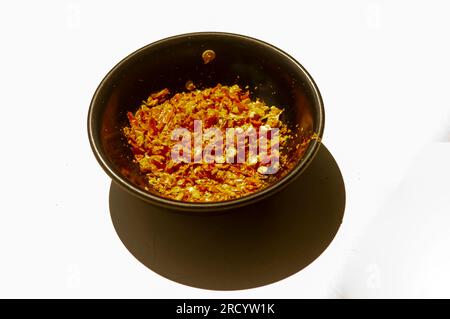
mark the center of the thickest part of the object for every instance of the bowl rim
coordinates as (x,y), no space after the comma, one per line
(299,167)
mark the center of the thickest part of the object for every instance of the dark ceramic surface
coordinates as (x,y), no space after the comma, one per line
(271,74)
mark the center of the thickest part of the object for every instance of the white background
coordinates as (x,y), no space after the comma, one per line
(384,72)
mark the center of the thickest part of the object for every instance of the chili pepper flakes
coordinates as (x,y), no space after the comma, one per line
(208,56)
(149,136)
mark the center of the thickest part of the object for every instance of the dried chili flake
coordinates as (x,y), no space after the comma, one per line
(149,135)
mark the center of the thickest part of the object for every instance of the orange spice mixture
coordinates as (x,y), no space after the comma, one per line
(149,135)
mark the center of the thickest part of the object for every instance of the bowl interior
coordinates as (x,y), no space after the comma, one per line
(270,74)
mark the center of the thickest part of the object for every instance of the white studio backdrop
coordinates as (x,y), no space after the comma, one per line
(383,71)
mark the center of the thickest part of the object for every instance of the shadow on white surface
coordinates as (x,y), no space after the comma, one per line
(243,248)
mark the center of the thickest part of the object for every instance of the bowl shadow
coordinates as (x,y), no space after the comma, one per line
(242,248)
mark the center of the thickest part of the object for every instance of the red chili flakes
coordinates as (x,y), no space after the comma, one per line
(150,130)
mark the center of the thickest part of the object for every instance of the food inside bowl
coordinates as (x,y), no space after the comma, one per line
(208,145)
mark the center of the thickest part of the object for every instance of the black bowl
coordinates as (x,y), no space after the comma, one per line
(270,73)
